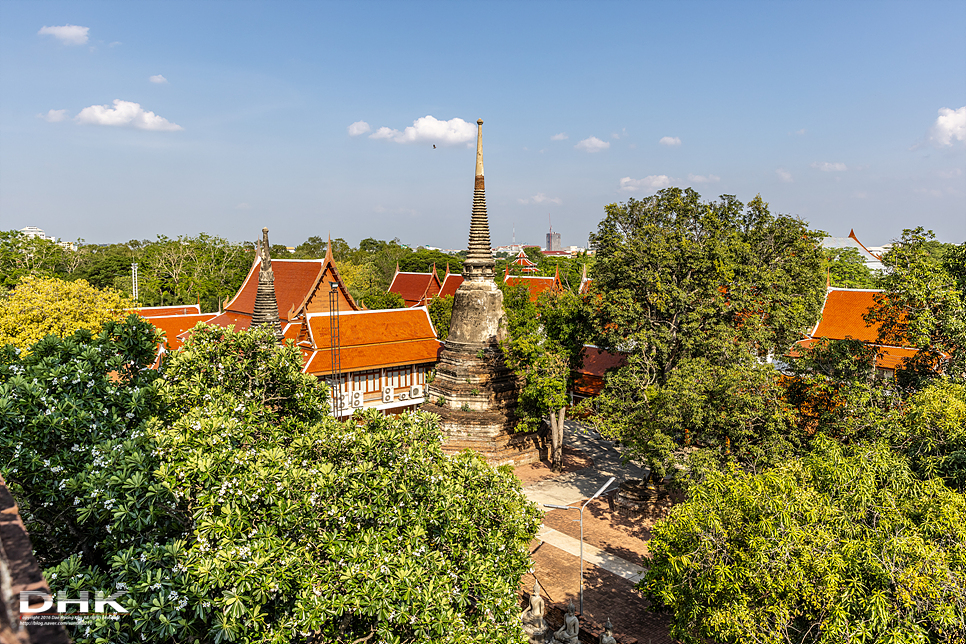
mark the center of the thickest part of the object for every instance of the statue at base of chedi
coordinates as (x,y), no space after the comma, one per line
(533,623)
(567,634)
(607,637)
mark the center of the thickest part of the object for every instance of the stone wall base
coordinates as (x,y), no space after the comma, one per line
(486,433)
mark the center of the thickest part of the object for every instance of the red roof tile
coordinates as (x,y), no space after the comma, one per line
(452,282)
(375,356)
(523,260)
(589,378)
(175,325)
(842,316)
(536,285)
(294,281)
(598,361)
(372,339)
(240,321)
(178,309)
(415,288)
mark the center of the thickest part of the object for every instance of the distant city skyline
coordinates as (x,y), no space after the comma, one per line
(123,121)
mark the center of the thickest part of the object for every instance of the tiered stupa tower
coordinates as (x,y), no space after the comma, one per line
(474,392)
(266,306)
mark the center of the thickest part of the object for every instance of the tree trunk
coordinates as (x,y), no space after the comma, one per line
(556,439)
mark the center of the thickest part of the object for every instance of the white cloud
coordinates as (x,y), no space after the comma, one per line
(68,34)
(125,114)
(800,132)
(949,127)
(559,137)
(784,175)
(158,79)
(825,166)
(945,174)
(699,178)
(593,144)
(652,182)
(359,127)
(541,198)
(430,130)
(54,116)
(670,140)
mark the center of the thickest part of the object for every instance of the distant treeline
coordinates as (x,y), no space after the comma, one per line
(207,269)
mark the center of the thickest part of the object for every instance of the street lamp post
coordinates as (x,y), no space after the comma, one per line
(581,509)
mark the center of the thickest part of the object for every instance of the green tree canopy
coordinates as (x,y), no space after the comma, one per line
(441,314)
(931,431)
(230,507)
(422,260)
(846,269)
(377,299)
(924,306)
(696,293)
(21,255)
(844,545)
(543,347)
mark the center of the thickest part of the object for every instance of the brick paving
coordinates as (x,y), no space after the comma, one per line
(606,594)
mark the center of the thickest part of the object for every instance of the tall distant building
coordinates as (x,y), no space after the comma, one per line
(553,240)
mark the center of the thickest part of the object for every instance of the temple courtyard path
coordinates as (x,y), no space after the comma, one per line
(614,545)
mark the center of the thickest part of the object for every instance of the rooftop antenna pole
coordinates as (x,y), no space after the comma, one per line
(134,280)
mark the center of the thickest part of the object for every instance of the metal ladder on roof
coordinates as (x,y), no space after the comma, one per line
(335,351)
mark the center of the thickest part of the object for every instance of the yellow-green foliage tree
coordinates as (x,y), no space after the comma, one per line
(41,306)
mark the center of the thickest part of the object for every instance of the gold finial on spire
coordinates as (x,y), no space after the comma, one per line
(264,251)
(479,148)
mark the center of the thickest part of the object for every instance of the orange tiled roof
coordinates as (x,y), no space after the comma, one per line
(842,315)
(375,356)
(886,358)
(241,321)
(589,378)
(294,281)
(597,361)
(452,282)
(371,339)
(177,309)
(842,318)
(415,288)
(174,326)
(536,285)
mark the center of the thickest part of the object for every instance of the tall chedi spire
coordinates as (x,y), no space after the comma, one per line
(474,392)
(266,306)
(479,259)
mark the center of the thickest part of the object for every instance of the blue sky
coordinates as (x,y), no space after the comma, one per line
(847,114)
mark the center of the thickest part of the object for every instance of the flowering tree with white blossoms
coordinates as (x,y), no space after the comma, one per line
(241,512)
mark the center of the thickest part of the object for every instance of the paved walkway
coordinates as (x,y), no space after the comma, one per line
(592,554)
(581,485)
(578,486)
